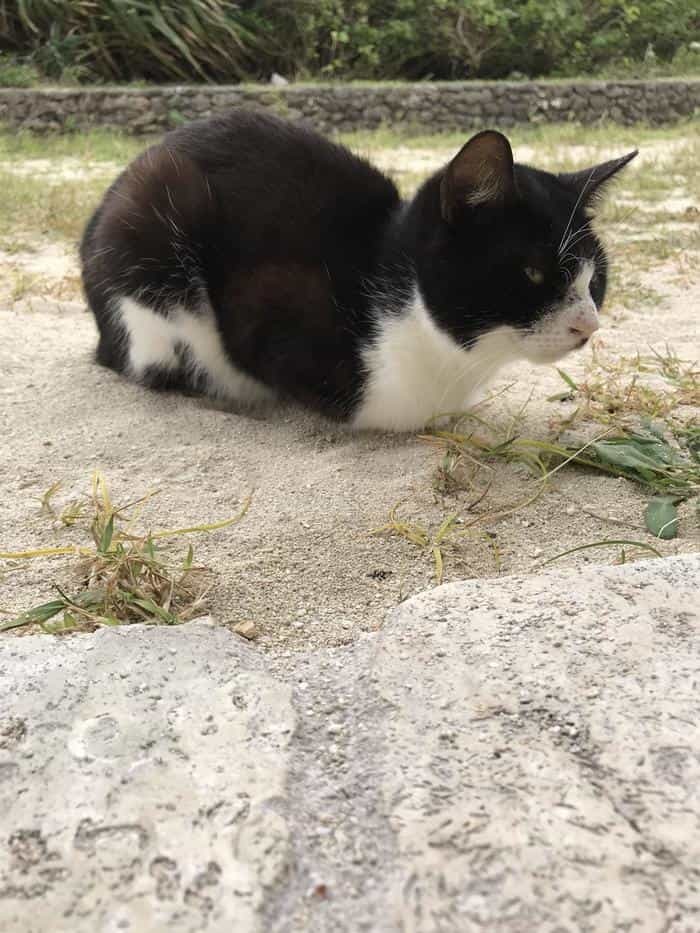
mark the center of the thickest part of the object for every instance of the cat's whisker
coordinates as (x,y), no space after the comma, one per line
(578,201)
(575,237)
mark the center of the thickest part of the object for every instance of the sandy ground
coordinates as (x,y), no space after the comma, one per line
(303,564)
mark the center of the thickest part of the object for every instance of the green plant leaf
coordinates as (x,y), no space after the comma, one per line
(653,428)
(106,537)
(568,380)
(153,609)
(661,517)
(37,614)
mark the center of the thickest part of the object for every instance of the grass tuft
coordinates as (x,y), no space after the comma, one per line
(125,576)
(669,470)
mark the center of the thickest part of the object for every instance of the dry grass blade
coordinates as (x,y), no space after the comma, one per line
(622,542)
(48,496)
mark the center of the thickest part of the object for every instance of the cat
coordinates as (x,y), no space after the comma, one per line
(248,258)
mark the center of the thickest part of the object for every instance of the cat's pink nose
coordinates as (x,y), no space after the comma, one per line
(585,325)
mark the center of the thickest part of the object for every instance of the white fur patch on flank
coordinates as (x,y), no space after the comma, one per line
(151,337)
(154,339)
(416,371)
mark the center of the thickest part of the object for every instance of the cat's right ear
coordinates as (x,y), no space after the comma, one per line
(480,174)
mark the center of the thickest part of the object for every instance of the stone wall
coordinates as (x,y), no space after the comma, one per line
(432,106)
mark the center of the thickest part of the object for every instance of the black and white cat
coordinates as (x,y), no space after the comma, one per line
(247,257)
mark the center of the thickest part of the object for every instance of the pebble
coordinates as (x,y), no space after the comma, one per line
(246,629)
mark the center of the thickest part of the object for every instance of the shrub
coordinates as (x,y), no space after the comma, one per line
(14,73)
(221,40)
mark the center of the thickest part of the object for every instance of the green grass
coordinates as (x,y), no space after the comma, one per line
(96,145)
(45,207)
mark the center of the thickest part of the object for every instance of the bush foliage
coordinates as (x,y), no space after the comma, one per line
(224,41)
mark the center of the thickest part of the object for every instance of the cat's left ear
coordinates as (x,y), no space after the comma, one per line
(481,174)
(589,182)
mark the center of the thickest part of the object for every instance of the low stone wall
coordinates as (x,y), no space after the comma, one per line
(432,106)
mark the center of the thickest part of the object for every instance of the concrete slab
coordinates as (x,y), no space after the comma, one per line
(510,755)
(542,766)
(140,769)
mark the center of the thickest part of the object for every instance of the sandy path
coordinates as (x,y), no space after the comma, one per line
(302,564)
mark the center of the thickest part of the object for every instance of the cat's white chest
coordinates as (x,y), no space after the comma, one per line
(417,372)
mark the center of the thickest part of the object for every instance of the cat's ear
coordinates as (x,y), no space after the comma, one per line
(480,174)
(588,184)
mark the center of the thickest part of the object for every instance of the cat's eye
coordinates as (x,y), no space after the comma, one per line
(536,276)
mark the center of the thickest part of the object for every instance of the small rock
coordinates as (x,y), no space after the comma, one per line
(278,80)
(246,629)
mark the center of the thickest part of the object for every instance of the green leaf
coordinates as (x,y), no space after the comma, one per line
(188,560)
(153,609)
(91,598)
(106,538)
(661,517)
(37,614)
(66,624)
(643,456)
(654,428)
(568,380)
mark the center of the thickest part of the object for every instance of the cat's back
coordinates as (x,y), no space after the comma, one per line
(242,138)
(246,185)
(277,171)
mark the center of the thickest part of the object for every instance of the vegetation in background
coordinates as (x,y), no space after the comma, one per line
(224,41)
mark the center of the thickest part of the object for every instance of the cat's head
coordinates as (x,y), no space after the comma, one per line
(512,247)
